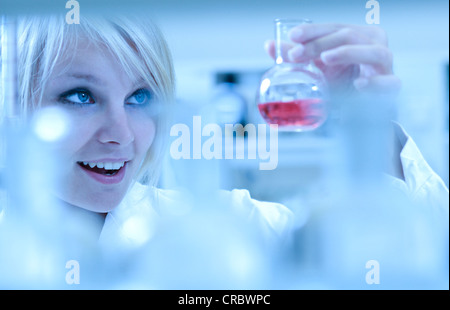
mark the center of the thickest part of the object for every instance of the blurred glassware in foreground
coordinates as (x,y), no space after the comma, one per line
(366,231)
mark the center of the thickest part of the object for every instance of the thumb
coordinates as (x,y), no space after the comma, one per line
(269,46)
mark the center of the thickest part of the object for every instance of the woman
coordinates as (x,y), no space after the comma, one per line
(114,80)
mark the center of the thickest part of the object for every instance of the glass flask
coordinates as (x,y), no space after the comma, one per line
(292,94)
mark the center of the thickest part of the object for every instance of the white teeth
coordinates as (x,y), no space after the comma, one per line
(116,166)
(106,165)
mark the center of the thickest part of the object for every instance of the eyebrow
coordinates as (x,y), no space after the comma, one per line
(95,80)
(87,77)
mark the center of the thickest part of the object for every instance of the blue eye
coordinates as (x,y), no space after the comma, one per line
(140,97)
(77,96)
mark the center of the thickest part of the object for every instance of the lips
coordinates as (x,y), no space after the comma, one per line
(105,172)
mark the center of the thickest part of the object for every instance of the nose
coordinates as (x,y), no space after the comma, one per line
(115,128)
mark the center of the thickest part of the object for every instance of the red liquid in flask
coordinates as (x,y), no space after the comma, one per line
(299,114)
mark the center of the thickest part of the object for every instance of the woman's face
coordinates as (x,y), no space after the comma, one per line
(111,128)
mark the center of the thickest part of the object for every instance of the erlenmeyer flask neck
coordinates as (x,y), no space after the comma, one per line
(283,42)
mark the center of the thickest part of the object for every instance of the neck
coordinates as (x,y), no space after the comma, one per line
(84,223)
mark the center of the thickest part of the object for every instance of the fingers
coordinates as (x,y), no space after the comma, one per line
(378,56)
(380,84)
(337,45)
(269,46)
(314,48)
(309,32)
(314,39)
(285,48)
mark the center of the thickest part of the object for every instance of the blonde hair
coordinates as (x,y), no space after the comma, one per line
(138,45)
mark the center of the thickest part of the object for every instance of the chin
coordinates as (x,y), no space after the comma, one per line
(97,204)
(103,206)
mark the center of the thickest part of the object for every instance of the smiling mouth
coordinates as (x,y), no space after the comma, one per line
(105,169)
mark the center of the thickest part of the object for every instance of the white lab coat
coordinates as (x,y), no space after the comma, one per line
(144,207)
(421,183)
(134,221)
